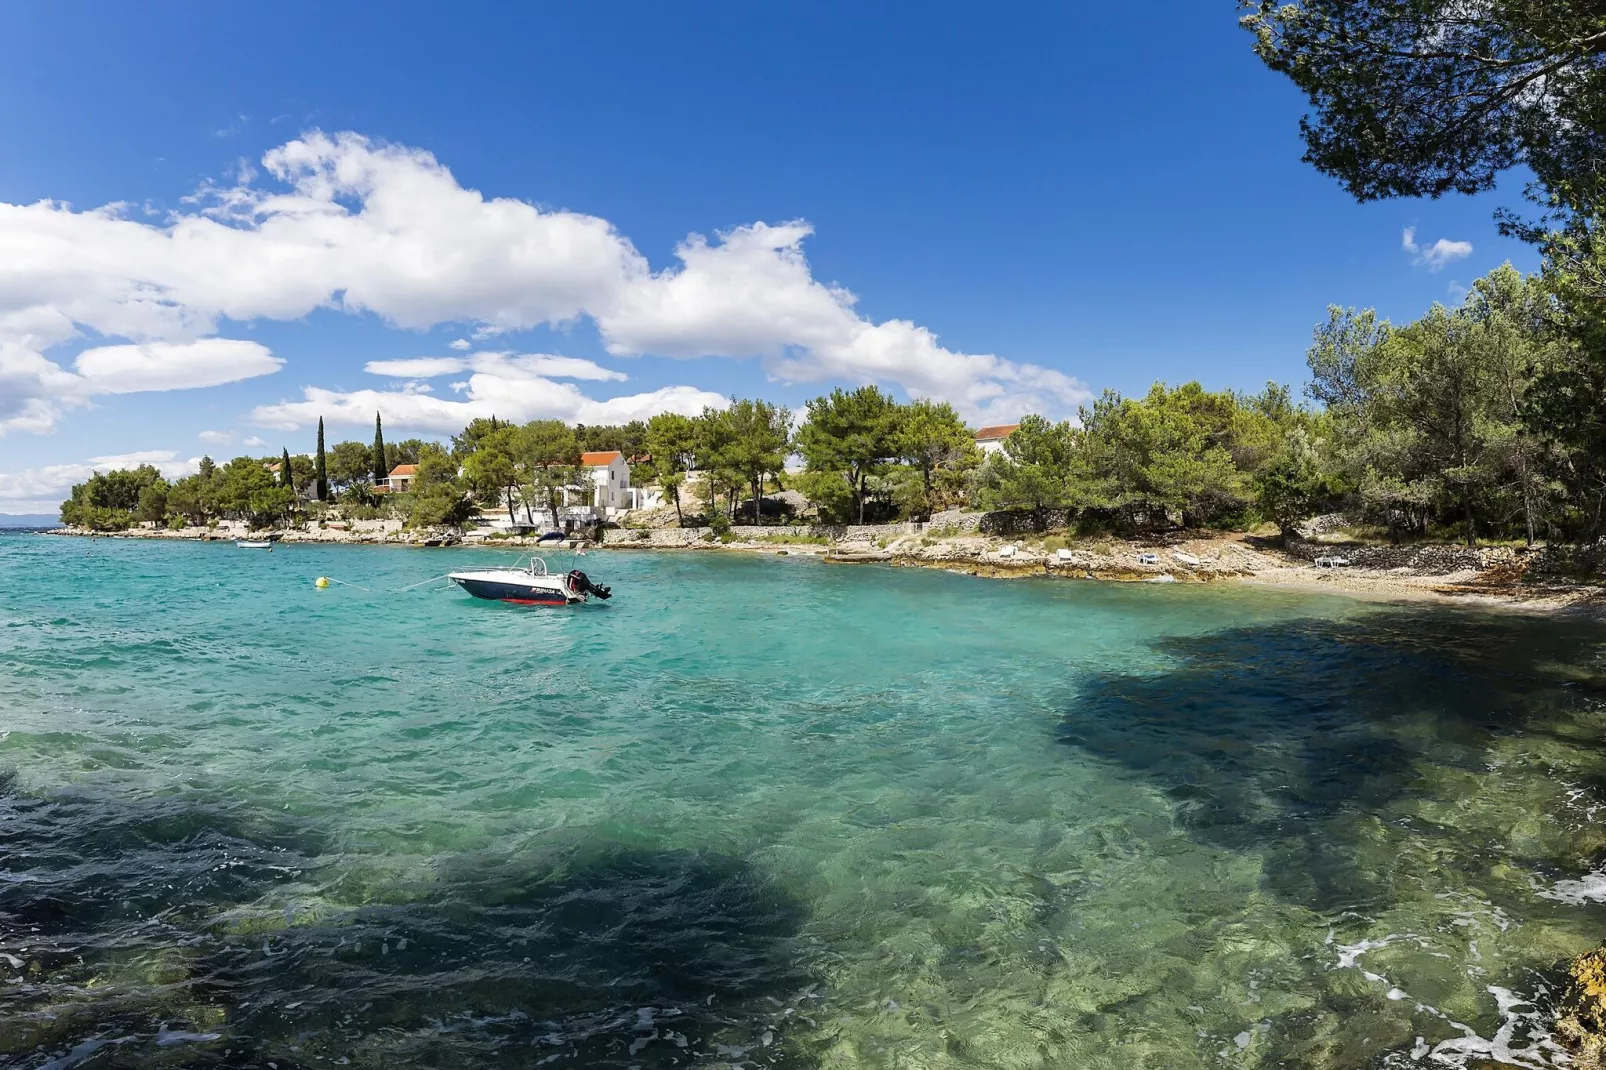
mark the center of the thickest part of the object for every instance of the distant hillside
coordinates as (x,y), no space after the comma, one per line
(29,520)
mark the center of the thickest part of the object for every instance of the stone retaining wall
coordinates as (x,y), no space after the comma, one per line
(1560,560)
(956,521)
(1012,522)
(657,538)
(1326,524)
(1432,560)
(674,538)
(858,532)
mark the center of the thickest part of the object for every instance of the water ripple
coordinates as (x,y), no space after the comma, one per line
(776,813)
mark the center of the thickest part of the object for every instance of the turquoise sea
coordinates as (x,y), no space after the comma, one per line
(776,813)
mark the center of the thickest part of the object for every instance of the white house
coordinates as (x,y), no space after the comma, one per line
(612,493)
(602,493)
(307,493)
(991,439)
(402,478)
(609,475)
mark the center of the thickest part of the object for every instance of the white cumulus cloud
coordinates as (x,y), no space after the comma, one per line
(127,369)
(752,294)
(510,386)
(530,365)
(42,490)
(352,224)
(519,398)
(1435,257)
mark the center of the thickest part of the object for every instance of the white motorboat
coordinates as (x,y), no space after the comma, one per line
(254,544)
(529,586)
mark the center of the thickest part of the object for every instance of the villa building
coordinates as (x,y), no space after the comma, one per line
(307,492)
(609,476)
(402,478)
(991,439)
(603,492)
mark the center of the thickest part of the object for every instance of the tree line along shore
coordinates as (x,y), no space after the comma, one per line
(1466,425)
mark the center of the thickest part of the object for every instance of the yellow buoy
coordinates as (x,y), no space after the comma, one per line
(322,581)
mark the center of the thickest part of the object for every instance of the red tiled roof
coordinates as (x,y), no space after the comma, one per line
(405,470)
(601,457)
(995,432)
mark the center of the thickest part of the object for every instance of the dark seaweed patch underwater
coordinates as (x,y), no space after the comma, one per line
(1374,763)
(142,949)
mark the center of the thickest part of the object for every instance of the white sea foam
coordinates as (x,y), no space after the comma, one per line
(1522,1039)
(1585,803)
(1590,888)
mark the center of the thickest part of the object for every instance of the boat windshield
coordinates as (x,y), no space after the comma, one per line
(537,566)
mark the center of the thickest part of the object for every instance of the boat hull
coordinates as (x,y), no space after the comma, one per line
(520,591)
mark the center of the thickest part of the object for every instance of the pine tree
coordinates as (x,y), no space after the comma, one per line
(321,473)
(381,471)
(285,478)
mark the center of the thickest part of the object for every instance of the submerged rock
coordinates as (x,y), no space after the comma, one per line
(1582,1025)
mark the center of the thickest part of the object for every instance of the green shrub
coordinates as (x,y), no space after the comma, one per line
(95,517)
(830,493)
(438,505)
(794,540)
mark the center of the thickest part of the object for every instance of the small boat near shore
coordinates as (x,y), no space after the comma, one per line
(529,586)
(254,544)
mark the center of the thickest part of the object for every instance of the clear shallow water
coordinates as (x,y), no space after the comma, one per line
(775,813)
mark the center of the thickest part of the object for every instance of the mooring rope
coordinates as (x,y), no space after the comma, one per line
(324,581)
(421,583)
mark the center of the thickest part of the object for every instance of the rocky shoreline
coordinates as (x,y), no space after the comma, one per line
(1489,576)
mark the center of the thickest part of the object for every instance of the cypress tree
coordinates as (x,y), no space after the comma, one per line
(322,473)
(285,478)
(381,471)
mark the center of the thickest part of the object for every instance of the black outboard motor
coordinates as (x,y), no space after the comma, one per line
(579,581)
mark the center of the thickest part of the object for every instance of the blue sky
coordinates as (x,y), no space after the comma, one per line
(1026,204)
